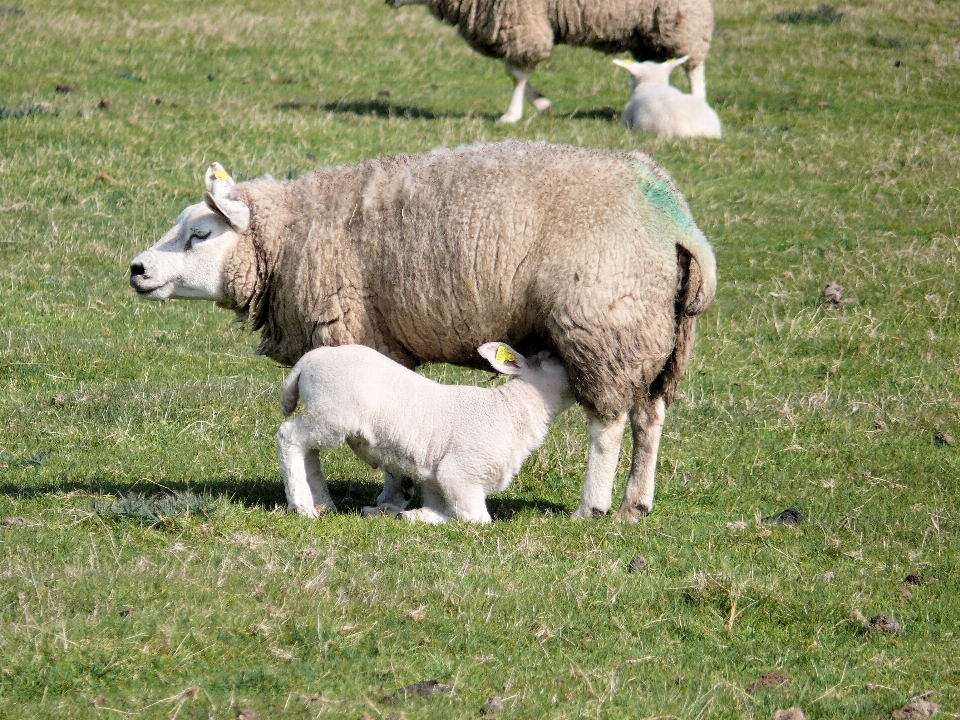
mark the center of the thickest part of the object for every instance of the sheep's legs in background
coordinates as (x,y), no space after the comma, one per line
(522,90)
(602,459)
(303,480)
(434,509)
(698,81)
(646,420)
(397,494)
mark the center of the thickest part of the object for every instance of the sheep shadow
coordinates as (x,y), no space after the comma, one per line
(377,109)
(350,494)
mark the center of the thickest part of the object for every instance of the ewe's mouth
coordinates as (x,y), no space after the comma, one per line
(143,291)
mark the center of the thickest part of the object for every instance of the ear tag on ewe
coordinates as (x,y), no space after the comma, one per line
(221,175)
(504,355)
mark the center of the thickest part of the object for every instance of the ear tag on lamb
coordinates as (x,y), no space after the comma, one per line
(504,355)
(221,175)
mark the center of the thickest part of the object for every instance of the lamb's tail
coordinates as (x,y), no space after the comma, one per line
(703,280)
(290,392)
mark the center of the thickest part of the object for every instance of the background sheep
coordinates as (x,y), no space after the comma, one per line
(656,106)
(463,442)
(591,254)
(522,33)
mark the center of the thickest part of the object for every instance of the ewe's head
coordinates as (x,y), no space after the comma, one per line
(188,261)
(542,370)
(649,71)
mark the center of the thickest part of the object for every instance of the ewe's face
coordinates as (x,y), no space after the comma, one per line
(188,261)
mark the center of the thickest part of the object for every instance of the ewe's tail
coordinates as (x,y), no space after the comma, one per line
(290,392)
(699,298)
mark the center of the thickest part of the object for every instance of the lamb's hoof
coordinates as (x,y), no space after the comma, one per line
(508,119)
(632,513)
(312,511)
(588,513)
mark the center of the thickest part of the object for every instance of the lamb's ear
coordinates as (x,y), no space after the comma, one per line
(502,358)
(679,61)
(219,183)
(626,65)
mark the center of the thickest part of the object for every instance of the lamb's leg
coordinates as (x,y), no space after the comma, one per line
(602,459)
(515,109)
(698,81)
(466,501)
(646,420)
(397,494)
(303,480)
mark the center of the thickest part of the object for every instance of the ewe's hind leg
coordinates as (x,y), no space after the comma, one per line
(646,420)
(698,81)
(303,480)
(602,459)
(537,99)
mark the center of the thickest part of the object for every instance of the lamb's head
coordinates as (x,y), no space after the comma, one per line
(543,370)
(188,261)
(649,71)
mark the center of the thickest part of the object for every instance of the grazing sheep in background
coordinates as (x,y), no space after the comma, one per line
(522,33)
(590,254)
(656,106)
(463,442)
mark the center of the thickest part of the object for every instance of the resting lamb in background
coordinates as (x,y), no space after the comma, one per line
(656,106)
(591,254)
(463,442)
(522,33)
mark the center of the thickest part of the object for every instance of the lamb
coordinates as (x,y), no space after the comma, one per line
(463,442)
(591,254)
(656,106)
(522,33)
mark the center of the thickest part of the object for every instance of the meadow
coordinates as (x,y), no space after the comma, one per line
(148,567)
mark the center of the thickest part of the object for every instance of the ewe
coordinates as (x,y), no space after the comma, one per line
(462,442)
(656,106)
(522,33)
(593,255)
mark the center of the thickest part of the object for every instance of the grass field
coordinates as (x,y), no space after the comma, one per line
(147,565)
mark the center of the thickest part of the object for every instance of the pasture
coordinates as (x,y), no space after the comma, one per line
(148,567)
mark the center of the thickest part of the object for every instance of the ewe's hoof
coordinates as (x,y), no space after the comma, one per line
(632,513)
(542,105)
(588,513)
(508,119)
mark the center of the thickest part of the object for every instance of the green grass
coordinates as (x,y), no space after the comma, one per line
(840,163)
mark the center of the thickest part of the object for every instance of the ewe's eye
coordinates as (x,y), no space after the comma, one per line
(196,235)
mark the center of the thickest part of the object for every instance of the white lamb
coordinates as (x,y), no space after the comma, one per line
(656,106)
(462,442)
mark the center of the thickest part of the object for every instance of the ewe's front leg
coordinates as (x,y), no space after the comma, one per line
(646,421)
(602,459)
(522,90)
(698,81)
(303,480)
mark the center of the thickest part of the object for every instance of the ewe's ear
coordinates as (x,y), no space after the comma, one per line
(502,358)
(219,184)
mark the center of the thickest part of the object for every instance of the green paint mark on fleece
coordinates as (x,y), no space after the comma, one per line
(662,197)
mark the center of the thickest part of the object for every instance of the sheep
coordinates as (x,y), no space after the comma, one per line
(462,442)
(656,106)
(522,33)
(591,254)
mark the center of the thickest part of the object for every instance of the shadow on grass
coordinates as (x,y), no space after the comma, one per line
(385,110)
(350,495)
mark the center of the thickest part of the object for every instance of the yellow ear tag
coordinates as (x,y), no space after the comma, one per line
(504,355)
(220,175)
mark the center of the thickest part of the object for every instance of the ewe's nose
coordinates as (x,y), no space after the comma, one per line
(136,268)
